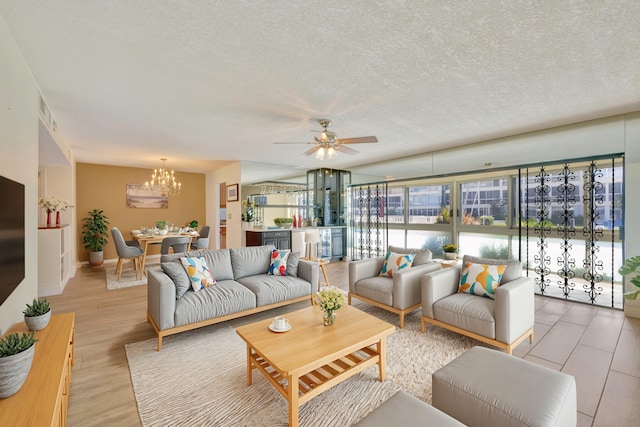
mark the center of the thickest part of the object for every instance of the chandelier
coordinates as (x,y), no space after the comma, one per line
(164,181)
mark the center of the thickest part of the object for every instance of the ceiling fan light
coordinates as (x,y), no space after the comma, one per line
(320,154)
(331,153)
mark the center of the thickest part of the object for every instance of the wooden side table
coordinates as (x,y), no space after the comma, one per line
(321,263)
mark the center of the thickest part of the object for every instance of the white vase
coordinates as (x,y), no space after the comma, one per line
(451,255)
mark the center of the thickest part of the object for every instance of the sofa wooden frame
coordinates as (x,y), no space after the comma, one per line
(176,330)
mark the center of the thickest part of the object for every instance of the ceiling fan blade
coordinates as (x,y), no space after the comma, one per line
(346,150)
(312,150)
(294,142)
(359,140)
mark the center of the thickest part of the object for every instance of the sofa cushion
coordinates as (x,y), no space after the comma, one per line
(423,256)
(394,262)
(273,289)
(250,261)
(376,288)
(198,272)
(292,264)
(218,261)
(178,275)
(278,263)
(467,312)
(226,297)
(481,279)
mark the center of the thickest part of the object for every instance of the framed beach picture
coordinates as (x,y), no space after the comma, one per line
(139,197)
(232,193)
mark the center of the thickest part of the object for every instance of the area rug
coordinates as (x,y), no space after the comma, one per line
(127,277)
(199,378)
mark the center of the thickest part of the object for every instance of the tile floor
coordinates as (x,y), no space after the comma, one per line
(599,346)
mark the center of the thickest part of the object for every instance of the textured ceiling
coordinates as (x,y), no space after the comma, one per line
(205,81)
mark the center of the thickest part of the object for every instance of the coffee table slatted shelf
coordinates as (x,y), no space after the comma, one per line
(310,384)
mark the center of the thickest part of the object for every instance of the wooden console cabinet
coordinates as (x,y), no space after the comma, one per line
(44,397)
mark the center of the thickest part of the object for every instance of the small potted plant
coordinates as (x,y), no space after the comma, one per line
(631,266)
(94,236)
(16,356)
(193,224)
(37,315)
(450,251)
(283,222)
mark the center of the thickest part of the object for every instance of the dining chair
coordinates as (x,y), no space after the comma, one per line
(127,249)
(202,242)
(178,244)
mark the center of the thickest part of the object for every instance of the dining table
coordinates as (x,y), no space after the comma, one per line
(149,238)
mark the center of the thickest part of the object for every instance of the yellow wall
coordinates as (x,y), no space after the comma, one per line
(104,187)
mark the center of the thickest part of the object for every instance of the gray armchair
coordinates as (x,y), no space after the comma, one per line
(127,249)
(503,322)
(202,242)
(178,244)
(399,294)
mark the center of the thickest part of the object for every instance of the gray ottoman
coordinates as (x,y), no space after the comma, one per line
(486,387)
(402,409)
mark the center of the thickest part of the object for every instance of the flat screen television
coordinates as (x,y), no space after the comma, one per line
(11,236)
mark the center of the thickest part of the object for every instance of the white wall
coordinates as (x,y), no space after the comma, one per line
(230,175)
(632,200)
(19,162)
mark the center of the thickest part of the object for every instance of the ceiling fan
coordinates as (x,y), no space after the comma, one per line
(328,143)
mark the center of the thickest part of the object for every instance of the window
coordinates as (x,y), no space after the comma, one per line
(484,203)
(429,204)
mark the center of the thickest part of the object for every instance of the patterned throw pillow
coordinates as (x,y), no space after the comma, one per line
(394,262)
(278,266)
(198,272)
(481,279)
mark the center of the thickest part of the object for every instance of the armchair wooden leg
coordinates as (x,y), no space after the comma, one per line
(349,298)
(401,320)
(422,325)
(531,338)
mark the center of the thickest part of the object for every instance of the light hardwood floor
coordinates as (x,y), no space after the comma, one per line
(599,346)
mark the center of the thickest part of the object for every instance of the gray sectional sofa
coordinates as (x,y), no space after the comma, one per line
(243,287)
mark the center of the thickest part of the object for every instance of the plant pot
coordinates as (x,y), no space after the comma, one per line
(36,323)
(163,232)
(96,258)
(451,255)
(14,371)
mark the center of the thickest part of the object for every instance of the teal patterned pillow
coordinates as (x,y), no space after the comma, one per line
(278,265)
(394,262)
(198,272)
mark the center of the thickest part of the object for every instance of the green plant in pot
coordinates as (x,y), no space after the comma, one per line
(450,251)
(193,224)
(631,266)
(163,227)
(94,235)
(37,314)
(283,222)
(16,357)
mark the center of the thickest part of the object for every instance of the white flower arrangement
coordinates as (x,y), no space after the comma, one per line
(329,299)
(53,204)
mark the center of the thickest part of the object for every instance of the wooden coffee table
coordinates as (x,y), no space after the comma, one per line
(311,357)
